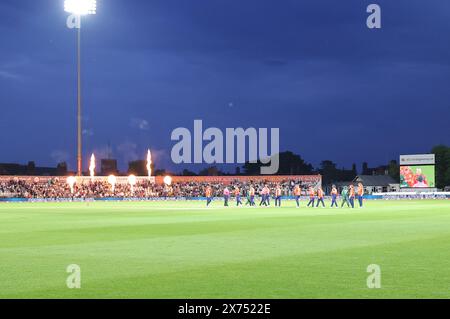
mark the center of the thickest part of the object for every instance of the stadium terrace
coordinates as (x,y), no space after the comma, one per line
(34,188)
(188,187)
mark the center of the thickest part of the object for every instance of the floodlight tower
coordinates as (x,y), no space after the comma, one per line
(78,8)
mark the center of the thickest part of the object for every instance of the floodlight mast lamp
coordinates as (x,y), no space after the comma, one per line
(78,8)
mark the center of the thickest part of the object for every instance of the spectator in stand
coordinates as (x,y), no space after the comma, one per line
(58,189)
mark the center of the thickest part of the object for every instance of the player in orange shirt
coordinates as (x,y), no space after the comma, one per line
(252,195)
(351,196)
(312,195)
(360,193)
(297,193)
(237,194)
(320,196)
(278,196)
(267,191)
(208,195)
(334,194)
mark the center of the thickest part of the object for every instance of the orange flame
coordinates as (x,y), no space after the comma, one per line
(92,166)
(149,163)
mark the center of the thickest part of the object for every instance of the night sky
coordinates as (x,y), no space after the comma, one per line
(336,89)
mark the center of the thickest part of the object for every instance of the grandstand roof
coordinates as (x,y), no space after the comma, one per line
(375,180)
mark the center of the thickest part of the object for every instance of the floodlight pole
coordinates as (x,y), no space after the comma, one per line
(77,9)
(79,139)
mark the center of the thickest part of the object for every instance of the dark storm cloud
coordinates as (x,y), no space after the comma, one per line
(311,68)
(289,29)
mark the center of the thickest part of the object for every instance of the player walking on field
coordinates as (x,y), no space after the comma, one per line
(312,195)
(297,193)
(267,192)
(334,194)
(278,196)
(226,196)
(252,195)
(360,192)
(246,194)
(263,198)
(344,195)
(320,196)
(237,194)
(351,196)
(208,194)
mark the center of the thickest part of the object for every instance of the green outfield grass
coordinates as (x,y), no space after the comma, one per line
(184,250)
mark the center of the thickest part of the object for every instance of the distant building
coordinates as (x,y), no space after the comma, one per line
(13,169)
(32,170)
(377,183)
(380,170)
(109,167)
(210,171)
(61,169)
(138,168)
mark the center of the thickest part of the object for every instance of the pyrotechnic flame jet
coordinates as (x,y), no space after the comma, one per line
(149,163)
(92,167)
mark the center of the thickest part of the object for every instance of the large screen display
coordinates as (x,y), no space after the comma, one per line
(417,176)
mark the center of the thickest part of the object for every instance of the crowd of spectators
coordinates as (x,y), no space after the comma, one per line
(58,189)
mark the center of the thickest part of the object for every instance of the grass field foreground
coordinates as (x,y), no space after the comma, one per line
(185,250)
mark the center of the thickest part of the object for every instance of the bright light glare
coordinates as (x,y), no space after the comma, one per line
(71,180)
(132,180)
(112,180)
(168,180)
(80,7)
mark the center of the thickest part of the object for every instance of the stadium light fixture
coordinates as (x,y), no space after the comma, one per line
(80,7)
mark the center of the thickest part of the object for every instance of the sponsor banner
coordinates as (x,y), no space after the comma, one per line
(419,159)
(231,179)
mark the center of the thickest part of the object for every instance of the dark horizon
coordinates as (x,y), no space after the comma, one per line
(337,90)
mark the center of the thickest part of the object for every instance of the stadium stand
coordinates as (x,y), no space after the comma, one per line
(186,187)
